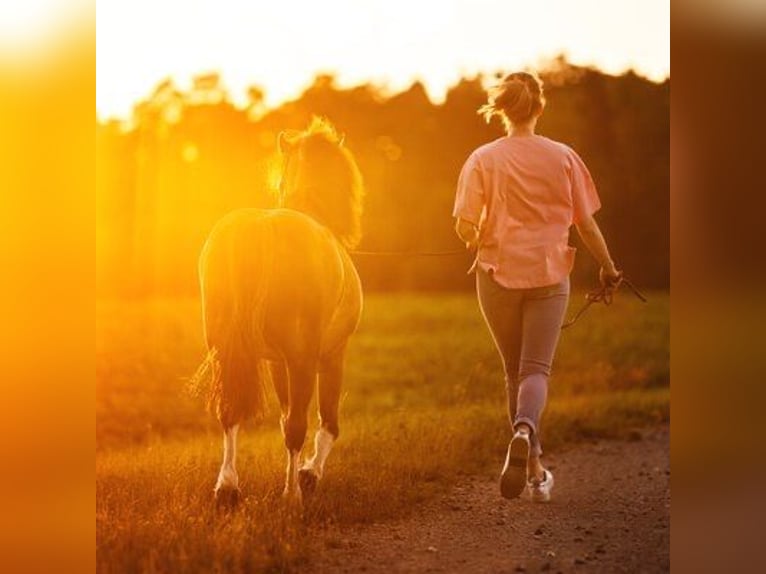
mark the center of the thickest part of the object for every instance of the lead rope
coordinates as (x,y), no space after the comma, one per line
(410,253)
(422,254)
(604,295)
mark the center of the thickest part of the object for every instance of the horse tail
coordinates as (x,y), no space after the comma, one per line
(235,276)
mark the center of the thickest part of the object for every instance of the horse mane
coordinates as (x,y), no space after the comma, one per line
(330,187)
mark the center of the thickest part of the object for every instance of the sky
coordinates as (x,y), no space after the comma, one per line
(281,45)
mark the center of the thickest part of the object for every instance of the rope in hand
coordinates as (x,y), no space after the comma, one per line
(422,254)
(439,253)
(604,295)
(411,253)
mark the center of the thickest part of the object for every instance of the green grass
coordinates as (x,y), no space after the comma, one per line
(423,405)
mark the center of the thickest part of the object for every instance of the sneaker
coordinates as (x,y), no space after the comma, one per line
(540,490)
(514,475)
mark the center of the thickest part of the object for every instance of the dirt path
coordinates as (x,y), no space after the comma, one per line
(610,513)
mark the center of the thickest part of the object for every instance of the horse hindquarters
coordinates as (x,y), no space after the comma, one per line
(236,392)
(239,375)
(235,270)
(331,371)
(233,317)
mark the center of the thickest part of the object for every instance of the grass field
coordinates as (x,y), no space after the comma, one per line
(423,404)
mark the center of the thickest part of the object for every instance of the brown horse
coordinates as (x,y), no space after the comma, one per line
(281,297)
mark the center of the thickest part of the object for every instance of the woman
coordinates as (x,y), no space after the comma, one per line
(516,199)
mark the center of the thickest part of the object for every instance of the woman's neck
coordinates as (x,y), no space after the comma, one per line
(527,129)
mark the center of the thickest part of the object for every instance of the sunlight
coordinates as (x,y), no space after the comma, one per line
(24,19)
(282,46)
(24,24)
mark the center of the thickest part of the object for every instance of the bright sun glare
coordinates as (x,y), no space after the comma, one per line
(280,46)
(24,25)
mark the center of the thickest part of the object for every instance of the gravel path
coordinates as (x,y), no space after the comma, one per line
(610,513)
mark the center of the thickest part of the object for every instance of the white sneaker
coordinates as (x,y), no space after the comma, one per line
(540,490)
(513,479)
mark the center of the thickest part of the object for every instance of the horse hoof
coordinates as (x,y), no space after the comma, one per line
(293,503)
(227,498)
(307,481)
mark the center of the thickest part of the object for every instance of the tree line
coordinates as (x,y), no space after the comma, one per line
(186,158)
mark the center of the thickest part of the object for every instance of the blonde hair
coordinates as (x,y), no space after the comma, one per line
(517,99)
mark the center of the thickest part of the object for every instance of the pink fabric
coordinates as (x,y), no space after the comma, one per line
(525,192)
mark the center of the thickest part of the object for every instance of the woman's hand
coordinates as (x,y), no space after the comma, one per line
(609,275)
(468,232)
(473,243)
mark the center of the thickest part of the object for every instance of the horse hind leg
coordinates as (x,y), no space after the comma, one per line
(302,377)
(279,378)
(235,382)
(330,378)
(227,485)
(227,492)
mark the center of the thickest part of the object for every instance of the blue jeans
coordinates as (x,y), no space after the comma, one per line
(525,325)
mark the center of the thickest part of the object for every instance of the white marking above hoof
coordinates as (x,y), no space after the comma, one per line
(323,442)
(227,479)
(292,491)
(227,476)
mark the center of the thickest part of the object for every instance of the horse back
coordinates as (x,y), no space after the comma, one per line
(283,275)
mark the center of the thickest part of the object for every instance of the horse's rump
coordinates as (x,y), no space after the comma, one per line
(271,284)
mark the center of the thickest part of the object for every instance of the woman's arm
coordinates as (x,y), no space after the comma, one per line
(594,240)
(467,232)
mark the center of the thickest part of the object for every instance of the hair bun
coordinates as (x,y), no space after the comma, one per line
(516,99)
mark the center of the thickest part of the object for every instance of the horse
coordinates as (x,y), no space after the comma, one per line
(281,298)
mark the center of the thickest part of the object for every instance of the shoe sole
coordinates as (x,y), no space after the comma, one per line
(514,476)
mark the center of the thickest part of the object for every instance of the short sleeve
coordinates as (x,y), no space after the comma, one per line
(585,200)
(469,199)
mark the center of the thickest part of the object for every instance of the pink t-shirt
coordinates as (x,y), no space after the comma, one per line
(525,192)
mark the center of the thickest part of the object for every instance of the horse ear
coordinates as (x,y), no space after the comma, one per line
(286,140)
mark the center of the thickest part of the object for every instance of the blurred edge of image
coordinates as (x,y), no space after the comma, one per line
(47,81)
(717,201)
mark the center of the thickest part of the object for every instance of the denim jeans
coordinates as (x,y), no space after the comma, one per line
(525,325)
